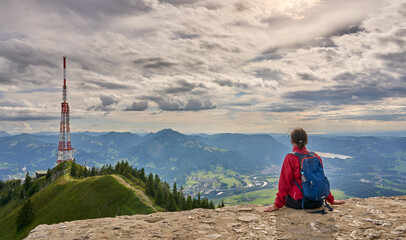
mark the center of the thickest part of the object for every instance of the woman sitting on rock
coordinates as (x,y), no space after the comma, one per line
(289,193)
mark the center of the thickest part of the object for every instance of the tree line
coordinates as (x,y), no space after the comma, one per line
(164,196)
(170,199)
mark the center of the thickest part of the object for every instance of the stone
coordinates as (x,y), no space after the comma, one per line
(244,209)
(208,222)
(248,217)
(356,223)
(287,236)
(368,221)
(357,234)
(372,233)
(213,236)
(378,222)
(230,225)
(399,229)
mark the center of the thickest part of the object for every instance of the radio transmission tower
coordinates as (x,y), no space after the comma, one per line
(65,150)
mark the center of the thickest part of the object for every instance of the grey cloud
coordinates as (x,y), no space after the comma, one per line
(25,115)
(185,35)
(395,61)
(241,6)
(137,106)
(378,117)
(108,103)
(307,77)
(12,103)
(190,105)
(179,2)
(397,38)
(159,64)
(98,10)
(183,86)
(345,94)
(286,109)
(268,74)
(5,79)
(154,62)
(355,28)
(279,51)
(229,83)
(102,84)
(28,118)
(23,54)
(179,104)
(366,78)
(353,88)
(212,45)
(147,60)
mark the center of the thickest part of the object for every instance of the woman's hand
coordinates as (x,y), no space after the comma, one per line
(338,202)
(271,208)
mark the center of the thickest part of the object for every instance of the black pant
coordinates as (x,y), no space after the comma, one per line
(297,204)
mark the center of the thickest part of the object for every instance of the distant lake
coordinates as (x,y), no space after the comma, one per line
(332,155)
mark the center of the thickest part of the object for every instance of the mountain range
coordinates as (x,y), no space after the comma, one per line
(374,166)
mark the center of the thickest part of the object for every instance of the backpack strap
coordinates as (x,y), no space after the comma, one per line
(300,156)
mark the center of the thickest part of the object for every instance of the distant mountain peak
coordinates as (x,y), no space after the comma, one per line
(168,132)
(4,134)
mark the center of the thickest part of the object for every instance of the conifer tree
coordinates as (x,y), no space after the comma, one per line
(176,194)
(142,175)
(85,173)
(189,203)
(80,173)
(159,197)
(204,203)
(48,176)
(93,171)
(198,200)
(211,205)
(150,185)
(171,205)
(157,181)
(27,182)
(25,215)
(21,195)
(73,170)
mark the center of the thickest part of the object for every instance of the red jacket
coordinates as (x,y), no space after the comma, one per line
(291,170)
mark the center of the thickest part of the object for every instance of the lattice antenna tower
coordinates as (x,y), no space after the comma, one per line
(65,150)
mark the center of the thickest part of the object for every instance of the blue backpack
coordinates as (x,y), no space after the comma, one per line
(315,185)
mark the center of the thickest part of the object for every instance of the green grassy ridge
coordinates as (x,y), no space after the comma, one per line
(68,199)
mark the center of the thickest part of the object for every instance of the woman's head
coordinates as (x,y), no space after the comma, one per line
(299,137)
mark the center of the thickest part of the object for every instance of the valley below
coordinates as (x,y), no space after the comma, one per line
(235,168)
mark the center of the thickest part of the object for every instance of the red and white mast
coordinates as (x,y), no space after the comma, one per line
(65,150)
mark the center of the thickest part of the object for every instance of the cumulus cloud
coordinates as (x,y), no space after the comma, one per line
(137,106)
(180,104)
(108,103)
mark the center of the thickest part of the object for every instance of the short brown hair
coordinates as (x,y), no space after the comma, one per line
(298,136)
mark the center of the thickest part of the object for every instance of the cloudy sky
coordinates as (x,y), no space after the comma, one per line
(204,65)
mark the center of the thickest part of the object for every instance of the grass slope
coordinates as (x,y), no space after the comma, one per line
(68,199)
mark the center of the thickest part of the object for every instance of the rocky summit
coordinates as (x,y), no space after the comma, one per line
(371,218)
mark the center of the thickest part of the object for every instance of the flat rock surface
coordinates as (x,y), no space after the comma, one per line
(371,218)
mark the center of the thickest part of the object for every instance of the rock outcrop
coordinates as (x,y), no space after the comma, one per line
(372,218)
